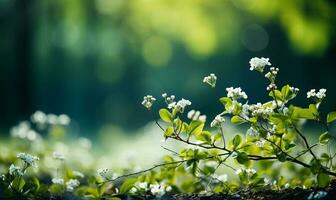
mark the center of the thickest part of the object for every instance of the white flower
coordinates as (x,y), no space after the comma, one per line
(168,99)
(64,119)
(58,156)
(15,170)
(252,132)
(287,185)
(148,101)
(142,185)
(59,181)
(157,190)
(259,64)
(39,117)
(319,95)
(217,121)
(271,75)
(28,159)
(233,108)
(251,171)
(52,119)
(180,105)
(196,116)
(72,184)
(311,93)
(236,93)
(267,181)
(24,131)
(106,174)
(78,174)
(260,110)
(239,170)
(211,80)
(260,143)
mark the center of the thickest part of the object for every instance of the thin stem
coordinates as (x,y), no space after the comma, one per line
(305,141)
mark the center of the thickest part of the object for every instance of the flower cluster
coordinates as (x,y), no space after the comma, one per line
(217,122)
(260,110)
(106,174)
(59,181)
(148,101)
(211,80)
(236,93)
(30,160)
(318,95)
(15,170)
(180,105)
(72,184)
(168,99)
(41,119)
(249,172)
(24,131)
(259,64)
(196,116)
(157,190)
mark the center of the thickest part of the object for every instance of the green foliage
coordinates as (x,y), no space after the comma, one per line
(274,140)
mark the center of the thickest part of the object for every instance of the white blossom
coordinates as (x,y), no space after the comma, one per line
(217,121)
(259,64)
(196,116)
(211,80)
(319,95)
(39,117)
(260,143)
(236,93)
(260,110)
(52,119)
(239,171)
(64,119)
(15,170)
(72,184)
(106,174)
(148,101)
(59,181)
(180,105)
(252,132)
(30,160)
(23,131)
(58,155)
(168,99)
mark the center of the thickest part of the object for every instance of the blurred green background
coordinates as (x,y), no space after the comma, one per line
(95,59)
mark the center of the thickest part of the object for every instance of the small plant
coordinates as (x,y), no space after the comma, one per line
(274,134)
(210,161)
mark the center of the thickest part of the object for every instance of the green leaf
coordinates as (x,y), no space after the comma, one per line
(237,120)
(204,136)
(236,141)
(331,117)
(127,185)
(315,166)
(242,158)
(166,115)
(195,127)
(18,183)
(305,113)
(324,138)
(277,93)
(225,100)
(323,180)
(168,132)
(114,198)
